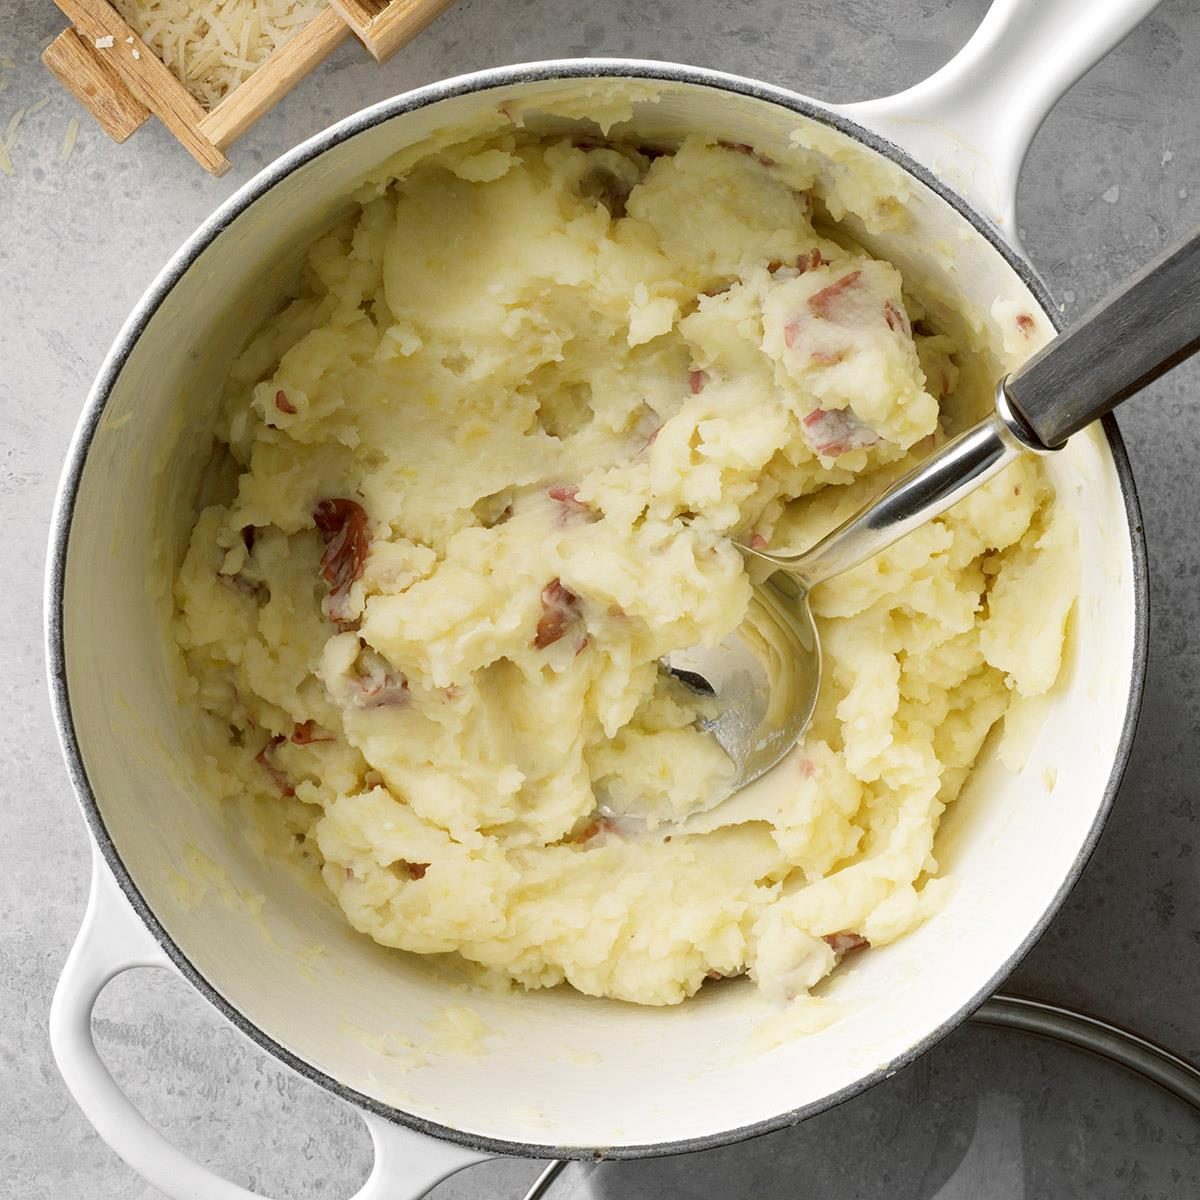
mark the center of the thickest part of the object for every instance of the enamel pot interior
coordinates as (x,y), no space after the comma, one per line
(557,1072)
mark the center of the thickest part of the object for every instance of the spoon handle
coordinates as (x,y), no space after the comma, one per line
(943,479)
(1138,333)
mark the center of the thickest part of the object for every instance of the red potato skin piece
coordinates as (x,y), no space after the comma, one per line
(568,496)
(1025,323)
(821,303)
(392,692)
(307,732)
(696,381)
(757,541)
(560,610)
(596,826)
(845,941)
(378,685)
(343,525)
(894,317)
(284,404)
(834,433)
(804,262)
(264,759)
(748,151)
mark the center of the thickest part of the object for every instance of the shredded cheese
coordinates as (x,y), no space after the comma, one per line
(14,126)
(68,146)
(12,131)
(213,47)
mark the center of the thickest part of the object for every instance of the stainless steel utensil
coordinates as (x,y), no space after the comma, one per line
(766,675)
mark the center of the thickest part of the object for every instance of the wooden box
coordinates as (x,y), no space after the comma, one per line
(121,81)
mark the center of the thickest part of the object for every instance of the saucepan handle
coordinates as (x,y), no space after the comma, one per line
(112,940)
(973,121)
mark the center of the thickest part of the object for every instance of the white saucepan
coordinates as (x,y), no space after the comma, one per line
(562,1075)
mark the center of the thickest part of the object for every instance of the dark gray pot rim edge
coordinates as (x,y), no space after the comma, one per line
(181,262)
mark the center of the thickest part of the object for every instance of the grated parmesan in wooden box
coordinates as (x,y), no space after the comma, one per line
(209,70)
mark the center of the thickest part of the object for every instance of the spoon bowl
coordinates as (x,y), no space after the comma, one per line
(765,675)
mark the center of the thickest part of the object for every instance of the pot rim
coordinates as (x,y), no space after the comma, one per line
(183,260)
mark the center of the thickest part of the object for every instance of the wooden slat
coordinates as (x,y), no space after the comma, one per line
(275,78)
(144,74)
(77,65)
(358,14)
(383,33)
(400,22)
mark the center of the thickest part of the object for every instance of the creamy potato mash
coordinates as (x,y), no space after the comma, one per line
(489,462)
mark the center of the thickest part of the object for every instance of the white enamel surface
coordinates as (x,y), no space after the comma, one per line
(973,121)
(558,1068)
(113,939)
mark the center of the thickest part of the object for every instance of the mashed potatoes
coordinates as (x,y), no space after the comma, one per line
(489,463)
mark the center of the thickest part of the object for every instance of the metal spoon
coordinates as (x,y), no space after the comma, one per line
(766,675)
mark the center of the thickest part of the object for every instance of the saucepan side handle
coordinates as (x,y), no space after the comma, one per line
(973,121)
(112,940)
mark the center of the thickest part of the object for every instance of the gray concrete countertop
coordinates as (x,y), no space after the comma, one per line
(986,1115)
